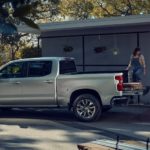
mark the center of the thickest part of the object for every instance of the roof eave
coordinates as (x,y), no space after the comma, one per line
(89,23)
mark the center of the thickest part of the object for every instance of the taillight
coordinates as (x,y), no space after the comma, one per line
(119,78)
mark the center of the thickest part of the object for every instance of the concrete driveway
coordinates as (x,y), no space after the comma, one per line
(59,130)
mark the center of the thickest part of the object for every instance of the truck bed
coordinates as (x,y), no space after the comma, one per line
(125,73)
(130,89)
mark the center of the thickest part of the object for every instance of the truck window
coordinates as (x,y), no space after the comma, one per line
(67,67)
(39,68)
(14,70)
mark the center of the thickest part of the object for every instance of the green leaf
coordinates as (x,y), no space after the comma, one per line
(22,11)
(29,22)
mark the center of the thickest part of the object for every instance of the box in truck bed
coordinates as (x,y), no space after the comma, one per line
(133,86)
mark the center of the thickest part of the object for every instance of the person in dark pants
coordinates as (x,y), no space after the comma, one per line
(137,65)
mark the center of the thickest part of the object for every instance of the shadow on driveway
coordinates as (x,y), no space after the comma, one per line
(16,143)
(42,120)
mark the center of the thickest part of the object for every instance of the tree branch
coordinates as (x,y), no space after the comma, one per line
(104,9)
(130,7)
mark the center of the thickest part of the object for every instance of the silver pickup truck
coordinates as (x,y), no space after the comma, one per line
(54,82)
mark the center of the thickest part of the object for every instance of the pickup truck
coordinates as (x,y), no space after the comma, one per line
(54,82)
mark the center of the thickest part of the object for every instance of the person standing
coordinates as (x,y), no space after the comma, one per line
(137,65)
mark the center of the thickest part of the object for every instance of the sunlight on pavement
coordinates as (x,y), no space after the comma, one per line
(47,135)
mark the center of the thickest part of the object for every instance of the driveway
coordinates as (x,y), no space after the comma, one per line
(58,129)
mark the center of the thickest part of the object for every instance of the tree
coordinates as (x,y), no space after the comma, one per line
(13,12)
(84,9)
(4,53)
(46,11)
(29,12)
(30,52)
(77,9)
(120,8)
(13,42)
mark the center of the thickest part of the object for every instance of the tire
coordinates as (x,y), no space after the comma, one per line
(87,108)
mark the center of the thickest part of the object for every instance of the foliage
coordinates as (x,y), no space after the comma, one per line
(30,52)
(46,11)
(11,45)
(4,53)
(78,9)
(15,12)
(83,9)
(12,12)
(121,7)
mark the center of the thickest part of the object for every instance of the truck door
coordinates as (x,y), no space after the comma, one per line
(39,86)
(10,84)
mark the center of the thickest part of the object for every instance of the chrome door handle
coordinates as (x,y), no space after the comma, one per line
(48,81)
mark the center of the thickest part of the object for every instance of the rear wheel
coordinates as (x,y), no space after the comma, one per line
(87,107)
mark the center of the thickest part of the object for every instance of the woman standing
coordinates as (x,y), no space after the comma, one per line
(137,65)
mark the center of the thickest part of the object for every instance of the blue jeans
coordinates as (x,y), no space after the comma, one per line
(137,74)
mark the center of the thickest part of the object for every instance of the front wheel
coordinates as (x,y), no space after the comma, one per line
(87,107)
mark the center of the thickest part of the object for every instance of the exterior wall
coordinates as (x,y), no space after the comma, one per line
(124,43)
(105,61)
(55,47)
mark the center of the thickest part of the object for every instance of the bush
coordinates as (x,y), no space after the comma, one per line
(31,52)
